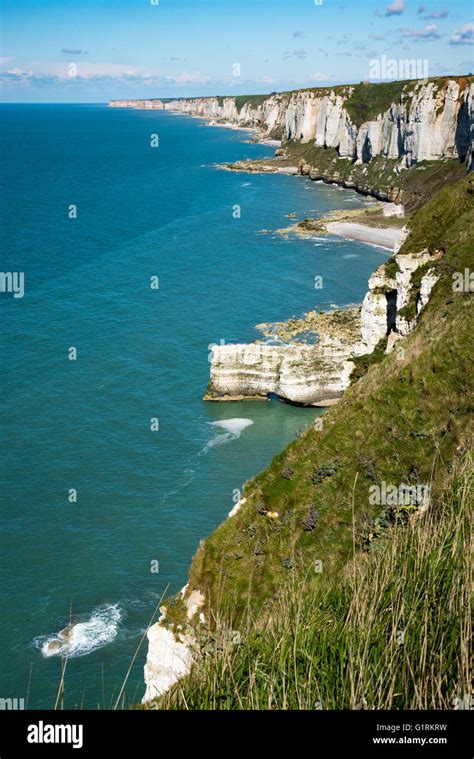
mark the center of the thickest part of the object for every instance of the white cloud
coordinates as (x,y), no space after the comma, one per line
(318,76)
(396,8)
(430,32)
(75,51)
(86,70)
(299,53)
(19,72)
(60,72)
(185,77)
(105,75)
(438,14)
(464,35)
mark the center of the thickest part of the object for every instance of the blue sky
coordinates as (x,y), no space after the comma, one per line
(134,48)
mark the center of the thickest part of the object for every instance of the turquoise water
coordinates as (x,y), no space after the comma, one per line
(142,495)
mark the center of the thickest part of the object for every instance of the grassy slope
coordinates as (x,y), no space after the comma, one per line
(386,623)
(413,187)
(369,99)
(391,632)
(403,421)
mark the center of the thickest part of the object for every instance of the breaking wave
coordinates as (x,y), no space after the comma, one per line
(83,637)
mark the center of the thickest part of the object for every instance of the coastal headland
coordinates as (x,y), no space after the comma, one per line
(407,145)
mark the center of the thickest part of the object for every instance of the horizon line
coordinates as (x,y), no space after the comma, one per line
(256,94)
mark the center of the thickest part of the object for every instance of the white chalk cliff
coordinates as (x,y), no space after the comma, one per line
(318,374)
(388,295)
(153,104)
(171,651)
(428,121)
(302,374)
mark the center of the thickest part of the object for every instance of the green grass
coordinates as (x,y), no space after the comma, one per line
(368,100)
(391,267)
(241,100)
(253,100)
(399,415)
(423,181)
(364,362)
(413,187)
(321,593)
(442,216)
(392,632)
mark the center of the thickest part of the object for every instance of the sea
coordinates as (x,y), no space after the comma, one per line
(137,255)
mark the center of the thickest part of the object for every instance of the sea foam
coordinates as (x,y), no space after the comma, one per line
(234,428)
(84,637)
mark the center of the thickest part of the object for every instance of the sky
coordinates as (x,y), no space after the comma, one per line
(88,51)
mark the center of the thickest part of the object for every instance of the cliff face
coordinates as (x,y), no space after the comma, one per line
(146,104)
(318,375)
(426,121)
(384,306)
(171,653)
(302,374)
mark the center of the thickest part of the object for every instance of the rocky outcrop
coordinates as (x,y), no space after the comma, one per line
(302,374)
(318,374)
(428,281)
(169,658)
(388,295)
(467,127)
(171,650)
(376,319)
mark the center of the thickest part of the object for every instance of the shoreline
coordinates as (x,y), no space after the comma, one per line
(236,369)
(170,655)
(372,226)
(387,238)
